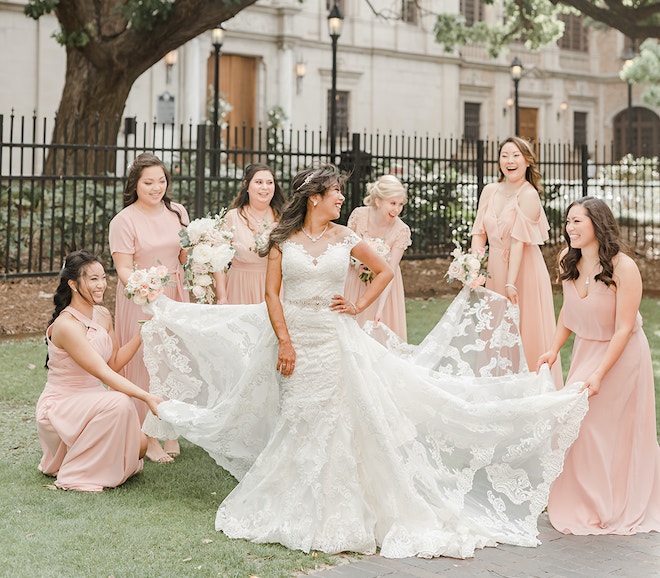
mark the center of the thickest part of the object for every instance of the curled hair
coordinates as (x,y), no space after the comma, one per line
(532,174)
(74,268)
(242,198)
(606,232)
(141,162)
(385,187)
(305,184)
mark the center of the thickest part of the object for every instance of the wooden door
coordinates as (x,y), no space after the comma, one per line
(528,123)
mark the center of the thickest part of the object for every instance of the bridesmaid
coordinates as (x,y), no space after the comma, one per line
(610,483)
(146,233)
(254,212)
(378,223)
(90,436)
(511,219)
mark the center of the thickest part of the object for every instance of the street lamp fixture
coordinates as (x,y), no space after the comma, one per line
(170,61)
(301,70)
(516,74)
(218,36)
(627,63)
(335,23)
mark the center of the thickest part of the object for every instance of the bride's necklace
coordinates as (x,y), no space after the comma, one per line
(314,239)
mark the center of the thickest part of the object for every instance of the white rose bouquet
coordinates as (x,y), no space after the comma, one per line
(468,268)
(144,286)
(382,250)
(209,251)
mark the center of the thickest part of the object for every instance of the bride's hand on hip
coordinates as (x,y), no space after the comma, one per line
(343,305)
(286,359)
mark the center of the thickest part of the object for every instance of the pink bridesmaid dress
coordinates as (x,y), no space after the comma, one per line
(394,311)
(152,240)
(537,311)
(611,478)
(246,278)
(90,435)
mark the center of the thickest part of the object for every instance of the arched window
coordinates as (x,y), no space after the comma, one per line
(645,137)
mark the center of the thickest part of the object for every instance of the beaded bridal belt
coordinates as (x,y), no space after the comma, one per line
(313,303)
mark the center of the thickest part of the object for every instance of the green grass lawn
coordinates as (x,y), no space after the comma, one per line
(160,522)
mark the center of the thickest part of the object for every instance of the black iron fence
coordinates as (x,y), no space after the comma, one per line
(58,197)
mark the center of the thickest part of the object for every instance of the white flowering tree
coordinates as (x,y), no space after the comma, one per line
(646,69)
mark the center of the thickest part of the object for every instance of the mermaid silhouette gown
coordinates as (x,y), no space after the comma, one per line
(362,447)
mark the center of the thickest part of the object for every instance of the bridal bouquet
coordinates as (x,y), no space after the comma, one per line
(468,268)
(382,250)
(209,251)
(144,285)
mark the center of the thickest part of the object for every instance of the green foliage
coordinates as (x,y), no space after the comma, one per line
(77,38)
(646,69)
(535,22)
(144,14)
(37,8)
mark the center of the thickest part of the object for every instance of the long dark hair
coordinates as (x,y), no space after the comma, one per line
(141,162)
(606,232)
(74,268)
(242,198)
(306,183)
(532,174)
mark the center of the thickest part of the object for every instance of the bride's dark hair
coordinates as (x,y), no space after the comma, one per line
(306,183)
(606,232)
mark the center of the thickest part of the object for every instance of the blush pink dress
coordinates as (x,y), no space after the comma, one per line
(394,311)
(611,478)
(537,311)
(152,240)
(90,436)
(246,278)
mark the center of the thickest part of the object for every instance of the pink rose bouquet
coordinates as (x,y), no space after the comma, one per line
(144,286)
(468,268)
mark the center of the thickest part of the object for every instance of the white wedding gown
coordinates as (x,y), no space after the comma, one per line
(364,446)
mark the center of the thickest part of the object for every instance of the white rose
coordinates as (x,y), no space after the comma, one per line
(204,280)
(198,291)
(222,254)
(138,277)
(202,253)
(199,268)
(198,228)
(455,270)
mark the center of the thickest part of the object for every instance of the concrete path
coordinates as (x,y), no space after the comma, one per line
(558,556)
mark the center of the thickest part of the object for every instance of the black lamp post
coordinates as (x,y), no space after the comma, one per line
(335,22)
(627,62)
(516,74)
(218,36)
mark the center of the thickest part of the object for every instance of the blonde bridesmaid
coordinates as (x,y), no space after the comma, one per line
(379,224)
(511,220)
(90,435)
(143,234)
(253,214)
(610,483)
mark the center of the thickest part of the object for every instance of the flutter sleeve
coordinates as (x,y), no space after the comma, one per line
(122,234)
(478,228)
(532,231)
(402,238)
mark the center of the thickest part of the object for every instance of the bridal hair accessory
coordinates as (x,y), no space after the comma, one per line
(468,268)
(310,176)
(314,239)
(208,242)
(144,286)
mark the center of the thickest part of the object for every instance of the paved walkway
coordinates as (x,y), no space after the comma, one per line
(558,556)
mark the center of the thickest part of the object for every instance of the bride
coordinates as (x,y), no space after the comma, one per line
(342,444)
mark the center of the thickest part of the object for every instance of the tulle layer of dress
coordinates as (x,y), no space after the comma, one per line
(431,450)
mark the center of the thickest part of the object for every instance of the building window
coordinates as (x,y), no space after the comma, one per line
(472,11)
(645,133)
(471,120)
(341,128)
(409,11)
(579,128)
(576,34)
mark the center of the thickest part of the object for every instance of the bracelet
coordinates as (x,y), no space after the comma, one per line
(354,308)
(512,287)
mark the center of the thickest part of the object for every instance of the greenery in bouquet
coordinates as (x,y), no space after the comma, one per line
(208,243)
(468,268)
(382,250)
